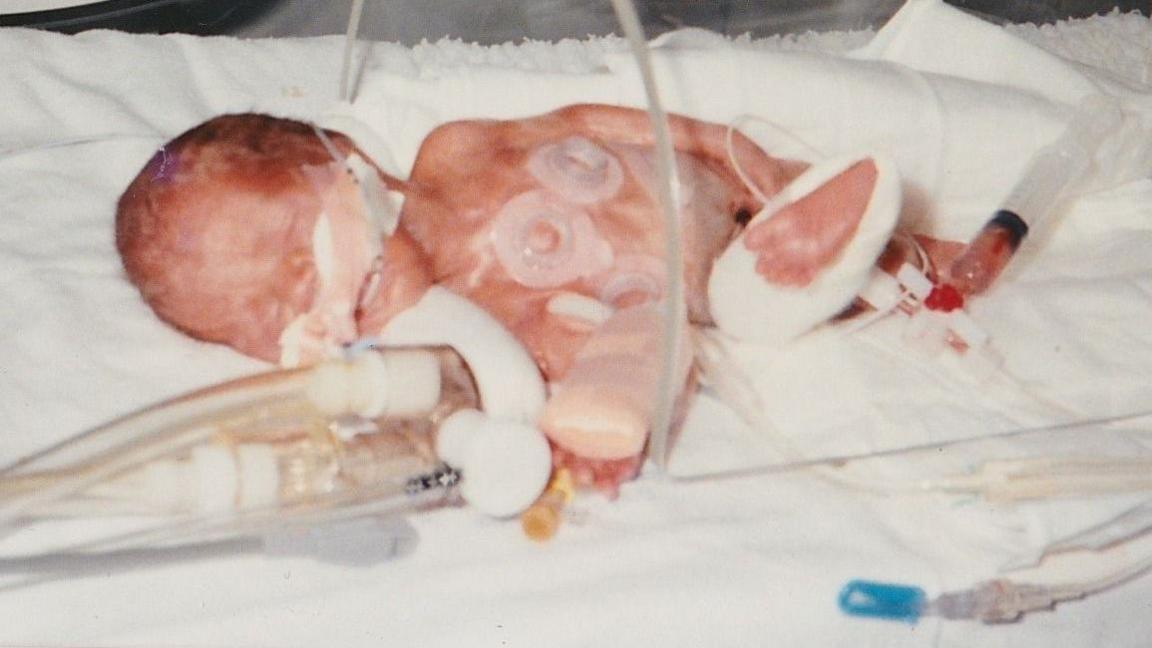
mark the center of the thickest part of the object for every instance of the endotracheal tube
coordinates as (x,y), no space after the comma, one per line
(307,442)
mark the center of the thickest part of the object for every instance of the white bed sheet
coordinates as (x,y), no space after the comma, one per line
(749,562)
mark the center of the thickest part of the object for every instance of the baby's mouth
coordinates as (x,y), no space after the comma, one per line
(331,324)
(348,257)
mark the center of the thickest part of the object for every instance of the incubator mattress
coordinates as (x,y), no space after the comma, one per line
(755,561)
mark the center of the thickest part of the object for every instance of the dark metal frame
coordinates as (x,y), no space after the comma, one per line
(147,16)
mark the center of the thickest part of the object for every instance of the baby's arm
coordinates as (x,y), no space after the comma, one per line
(806,253)
(805,258)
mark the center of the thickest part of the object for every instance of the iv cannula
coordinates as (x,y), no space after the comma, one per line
(1050,173)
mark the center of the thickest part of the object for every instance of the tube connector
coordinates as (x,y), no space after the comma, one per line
(996,601)
(541,521)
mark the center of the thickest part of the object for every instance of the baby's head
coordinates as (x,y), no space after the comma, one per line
(246,226)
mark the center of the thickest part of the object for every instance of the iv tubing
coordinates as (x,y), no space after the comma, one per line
(200,532)
(668,191)
(1005,600)
(1000,600)
(380,500)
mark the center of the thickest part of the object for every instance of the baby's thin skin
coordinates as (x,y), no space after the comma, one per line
(217,229)
(217,232)
(467,172)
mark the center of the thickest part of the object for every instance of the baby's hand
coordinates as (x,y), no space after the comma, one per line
(802,237)
(808,253)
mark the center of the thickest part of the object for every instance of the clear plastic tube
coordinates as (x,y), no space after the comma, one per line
(1130,524)
(341,439)
(996,601)
(667,189)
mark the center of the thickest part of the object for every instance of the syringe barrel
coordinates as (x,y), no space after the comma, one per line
(984,258)
(1033,200)
(1035,197)
(1064,162)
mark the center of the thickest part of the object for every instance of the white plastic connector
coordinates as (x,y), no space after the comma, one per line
(215,479)
(328,387)
(416,381)
(370,387)
(914,279)
(507,377)
(396,382)
(504,465)
(259,482)
(882,292)
(455,434)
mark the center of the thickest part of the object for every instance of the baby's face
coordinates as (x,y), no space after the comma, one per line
(360,275)
(246,232)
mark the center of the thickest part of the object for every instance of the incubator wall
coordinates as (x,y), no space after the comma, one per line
(409,21)
(861,413)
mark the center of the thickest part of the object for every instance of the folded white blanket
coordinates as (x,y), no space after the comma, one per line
(734,563)
(961,124)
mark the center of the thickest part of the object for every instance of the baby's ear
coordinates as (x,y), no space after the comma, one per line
(805,256)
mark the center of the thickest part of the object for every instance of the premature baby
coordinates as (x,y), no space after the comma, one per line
(260,233)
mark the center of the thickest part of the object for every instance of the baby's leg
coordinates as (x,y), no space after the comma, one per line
(603,408)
